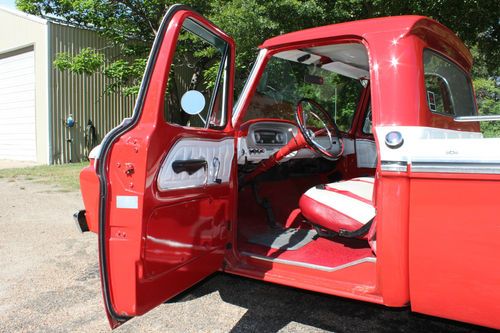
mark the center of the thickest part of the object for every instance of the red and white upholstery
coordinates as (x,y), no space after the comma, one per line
(344,205)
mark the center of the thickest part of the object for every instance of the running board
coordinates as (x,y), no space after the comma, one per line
(306,265)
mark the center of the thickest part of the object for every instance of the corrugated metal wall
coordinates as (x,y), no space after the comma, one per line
(80,95)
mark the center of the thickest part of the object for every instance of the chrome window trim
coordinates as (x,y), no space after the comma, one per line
(246,89)
(464,119)
(394,166)
(456,167)
(449,92)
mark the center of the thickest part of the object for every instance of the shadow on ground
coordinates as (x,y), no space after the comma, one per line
(271,308)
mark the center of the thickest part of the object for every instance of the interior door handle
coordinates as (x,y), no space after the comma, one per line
(216,165)
(189,166)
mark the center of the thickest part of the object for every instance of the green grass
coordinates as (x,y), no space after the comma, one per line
(65,176)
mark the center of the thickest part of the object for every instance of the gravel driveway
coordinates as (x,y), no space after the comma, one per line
(49,282)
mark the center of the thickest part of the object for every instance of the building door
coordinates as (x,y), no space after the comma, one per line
(17,106)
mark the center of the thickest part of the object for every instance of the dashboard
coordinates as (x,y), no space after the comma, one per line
(260,139)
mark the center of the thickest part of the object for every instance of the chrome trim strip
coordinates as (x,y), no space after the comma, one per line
(464,119)
(246,89)
(454,167)
(394,166)
(306,265)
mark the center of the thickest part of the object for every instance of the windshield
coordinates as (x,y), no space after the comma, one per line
(293,75)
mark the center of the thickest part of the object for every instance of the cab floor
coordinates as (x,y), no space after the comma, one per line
(253,224)
(320,251)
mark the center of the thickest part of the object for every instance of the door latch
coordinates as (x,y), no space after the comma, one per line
(129,169)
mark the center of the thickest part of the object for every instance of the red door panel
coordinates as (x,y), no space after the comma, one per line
(156,241)
(454,247)
(200,229)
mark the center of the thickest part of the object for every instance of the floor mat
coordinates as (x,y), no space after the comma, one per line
(281,239)
(322,252)
(252,224)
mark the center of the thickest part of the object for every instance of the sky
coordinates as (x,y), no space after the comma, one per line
(8,3)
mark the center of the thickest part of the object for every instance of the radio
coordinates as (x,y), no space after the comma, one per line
(269,137)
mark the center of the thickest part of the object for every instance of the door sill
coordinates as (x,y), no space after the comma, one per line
(307,265)
(355,280)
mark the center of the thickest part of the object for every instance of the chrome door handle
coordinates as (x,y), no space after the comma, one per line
(216,165)
(189,166)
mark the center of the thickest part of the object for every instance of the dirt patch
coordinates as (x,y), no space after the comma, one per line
(49,282)
(49,279)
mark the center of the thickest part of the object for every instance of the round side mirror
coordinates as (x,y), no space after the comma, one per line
(193,102)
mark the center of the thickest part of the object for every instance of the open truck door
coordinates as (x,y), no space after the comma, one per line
(166,174)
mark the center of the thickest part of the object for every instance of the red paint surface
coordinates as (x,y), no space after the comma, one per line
(453,248)
(355,282)
(89,183)
(321,252)
(175,238)
(391,203)
(436,234)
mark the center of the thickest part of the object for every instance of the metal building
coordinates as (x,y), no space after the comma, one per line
(36,98)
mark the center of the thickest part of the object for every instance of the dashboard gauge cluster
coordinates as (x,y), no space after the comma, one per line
(265,138)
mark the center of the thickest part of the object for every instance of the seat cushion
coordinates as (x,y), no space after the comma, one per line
(344,205)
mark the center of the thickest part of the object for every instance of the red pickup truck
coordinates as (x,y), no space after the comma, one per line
(351,165)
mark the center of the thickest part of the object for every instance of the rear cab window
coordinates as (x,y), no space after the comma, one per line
(448,88)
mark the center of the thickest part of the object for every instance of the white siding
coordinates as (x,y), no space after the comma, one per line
(17,107)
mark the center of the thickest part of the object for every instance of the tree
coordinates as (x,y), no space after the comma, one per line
(488,102)
(476,22)
(132,25)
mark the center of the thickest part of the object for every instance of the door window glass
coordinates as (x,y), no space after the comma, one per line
(200,63)
(448,88)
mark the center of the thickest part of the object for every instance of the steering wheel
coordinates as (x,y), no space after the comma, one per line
(314,122)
